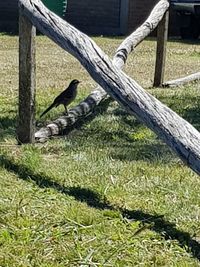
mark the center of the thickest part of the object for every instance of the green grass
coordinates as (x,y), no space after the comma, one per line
(109,193)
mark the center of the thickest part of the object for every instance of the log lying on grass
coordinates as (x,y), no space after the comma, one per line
(98,94)
(182,81)
(181,136)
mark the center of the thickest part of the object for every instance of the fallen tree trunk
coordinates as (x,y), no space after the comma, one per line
(98,94)
(181,136)
(182,81)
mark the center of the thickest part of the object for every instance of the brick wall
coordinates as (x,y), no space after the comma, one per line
(94,17)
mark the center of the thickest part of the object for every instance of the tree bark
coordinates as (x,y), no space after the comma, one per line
(181,81)
(181,136)
(98,94)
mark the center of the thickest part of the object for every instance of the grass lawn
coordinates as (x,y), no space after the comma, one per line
(110,193)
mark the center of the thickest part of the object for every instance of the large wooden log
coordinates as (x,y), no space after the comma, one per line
(181,136)
(98,94)
(181,81)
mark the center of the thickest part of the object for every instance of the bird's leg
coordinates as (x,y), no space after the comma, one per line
(66,111)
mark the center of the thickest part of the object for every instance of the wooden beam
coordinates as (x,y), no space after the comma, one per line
(26,121)
(162,34)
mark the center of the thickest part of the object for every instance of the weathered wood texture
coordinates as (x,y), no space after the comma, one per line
(183,80)
(181,136)
(162,35)
(26,122)
(98,95)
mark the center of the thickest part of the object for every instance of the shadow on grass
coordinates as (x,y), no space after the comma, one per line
(192,115)
(7,127)
(184,41)
(93,199)
(122,143)
(187,106)
(97,111)
(150,153)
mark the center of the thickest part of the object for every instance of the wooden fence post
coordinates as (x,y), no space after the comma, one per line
(162,34)
(26,121)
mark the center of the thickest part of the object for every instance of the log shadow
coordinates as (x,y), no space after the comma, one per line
(95,200)
(145,152)
(192,115)
(188,107)
(7,127)
(121,143)
(184,41)
(97,111)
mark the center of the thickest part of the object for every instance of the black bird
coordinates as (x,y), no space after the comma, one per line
(65,98)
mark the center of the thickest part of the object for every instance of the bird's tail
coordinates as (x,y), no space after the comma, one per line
(49,108)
